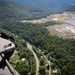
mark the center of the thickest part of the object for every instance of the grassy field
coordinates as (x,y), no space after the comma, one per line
(14,60)
(64,30)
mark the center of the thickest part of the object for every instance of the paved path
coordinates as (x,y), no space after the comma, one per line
(48,63)
(49,68)
(37,60)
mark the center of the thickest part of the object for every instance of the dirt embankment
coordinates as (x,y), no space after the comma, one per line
(61,17)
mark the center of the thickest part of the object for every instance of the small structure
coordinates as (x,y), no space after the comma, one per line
(23,59)
(46,65)
(41,56)
(50,57)
(42,52)
(55,71)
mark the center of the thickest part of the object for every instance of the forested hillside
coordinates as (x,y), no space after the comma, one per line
(31,10)
(54,5)
(61,50)
(9,9)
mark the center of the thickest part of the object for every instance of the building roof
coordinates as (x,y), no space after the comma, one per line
(55,71)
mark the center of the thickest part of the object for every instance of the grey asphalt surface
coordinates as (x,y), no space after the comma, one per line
(37,60)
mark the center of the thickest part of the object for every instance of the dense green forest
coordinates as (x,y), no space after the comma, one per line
(61,50)
(10,9)
(31,10)
(22,52)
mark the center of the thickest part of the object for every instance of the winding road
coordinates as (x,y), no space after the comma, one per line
(48,63)
(37,60)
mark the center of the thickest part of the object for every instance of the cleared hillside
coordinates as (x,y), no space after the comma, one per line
(63,30)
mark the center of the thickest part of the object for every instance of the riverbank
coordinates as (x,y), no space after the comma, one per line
(56,17)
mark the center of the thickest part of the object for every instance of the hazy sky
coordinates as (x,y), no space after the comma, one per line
(42,0)
(47,2)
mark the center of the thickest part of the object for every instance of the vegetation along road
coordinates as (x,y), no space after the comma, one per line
(49,63)
(37,60)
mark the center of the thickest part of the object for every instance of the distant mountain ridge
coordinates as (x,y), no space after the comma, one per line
(27,10)
(54,5)
(30,9)
(47,2)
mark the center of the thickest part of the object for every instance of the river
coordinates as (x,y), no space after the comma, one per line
(72,21)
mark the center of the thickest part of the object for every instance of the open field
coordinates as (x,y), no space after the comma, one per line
(63,30)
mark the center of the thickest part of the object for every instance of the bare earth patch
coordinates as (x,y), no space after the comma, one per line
(63,30)
(60,17)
